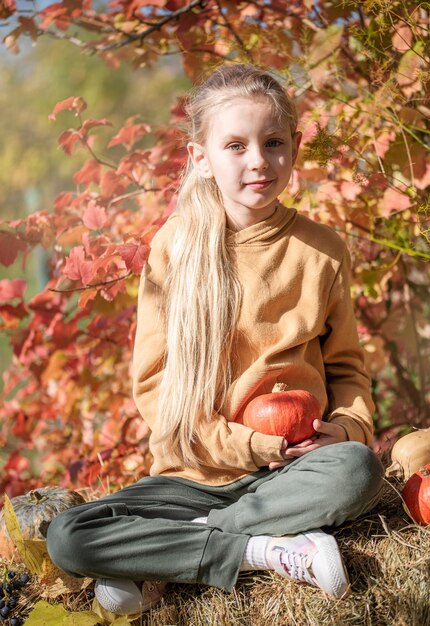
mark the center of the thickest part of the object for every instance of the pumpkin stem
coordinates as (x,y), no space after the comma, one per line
(36,496)
(395,469)
(424,471)
(279,387)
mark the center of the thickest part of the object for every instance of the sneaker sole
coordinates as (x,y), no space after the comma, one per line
(332,576)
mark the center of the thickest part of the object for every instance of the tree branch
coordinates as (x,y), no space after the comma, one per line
(233,32)
(404,381)
(421,370)
(93,286)
(141,36)
(282,11)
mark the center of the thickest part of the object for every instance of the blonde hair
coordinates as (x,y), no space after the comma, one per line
(202,294)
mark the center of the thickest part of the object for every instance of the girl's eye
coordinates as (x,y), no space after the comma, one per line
(234,147)
(274,143)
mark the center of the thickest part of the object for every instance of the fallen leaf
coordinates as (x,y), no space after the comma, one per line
(32,551)
(45,614)
(57,583)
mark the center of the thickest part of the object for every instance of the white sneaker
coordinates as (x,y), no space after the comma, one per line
(312,557)
(126,597)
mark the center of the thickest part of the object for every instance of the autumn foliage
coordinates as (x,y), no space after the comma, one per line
(359,72)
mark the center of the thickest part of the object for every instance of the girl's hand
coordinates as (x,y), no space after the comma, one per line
(327,433)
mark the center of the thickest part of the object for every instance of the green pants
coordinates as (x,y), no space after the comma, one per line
(144,531)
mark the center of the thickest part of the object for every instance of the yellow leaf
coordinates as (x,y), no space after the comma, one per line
(57,583)
(81,618)
(111,618)
(32,551)
(252,41)
(409,69)
(324,43)
(45,614)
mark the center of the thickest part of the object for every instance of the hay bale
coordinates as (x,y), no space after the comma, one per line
(387,557)
(388,560)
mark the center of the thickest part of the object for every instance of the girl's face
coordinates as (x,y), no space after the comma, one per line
(250,156)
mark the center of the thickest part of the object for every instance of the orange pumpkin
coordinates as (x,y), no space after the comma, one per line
(416,496)
(289,414)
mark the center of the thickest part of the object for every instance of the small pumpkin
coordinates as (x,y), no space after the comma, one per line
(416,496)
(410,453)
(34,511)
(288,413)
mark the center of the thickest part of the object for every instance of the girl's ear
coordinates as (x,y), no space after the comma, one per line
(199,159)
(297,138)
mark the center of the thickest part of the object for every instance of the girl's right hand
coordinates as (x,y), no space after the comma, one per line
(288,458)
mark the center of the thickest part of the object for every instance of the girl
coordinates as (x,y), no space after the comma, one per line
(239,292)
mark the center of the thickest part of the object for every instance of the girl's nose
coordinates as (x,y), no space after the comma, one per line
(258,160)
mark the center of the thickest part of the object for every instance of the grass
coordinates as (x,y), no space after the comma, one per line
(387,557)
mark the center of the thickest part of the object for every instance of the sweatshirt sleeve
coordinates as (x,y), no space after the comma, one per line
(348,383)
(227,444)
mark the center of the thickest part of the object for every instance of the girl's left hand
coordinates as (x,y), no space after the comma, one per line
(327,433)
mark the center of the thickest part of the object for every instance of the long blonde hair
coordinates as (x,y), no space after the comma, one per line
(202,294)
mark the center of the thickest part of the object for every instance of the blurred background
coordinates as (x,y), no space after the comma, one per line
(33,170)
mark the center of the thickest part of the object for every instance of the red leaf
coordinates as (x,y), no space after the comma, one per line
(112,185)
(13,314)
(394,200)
(22,428)
(132,163)
(74,103)
(90,123)
(62,13)
(86,296)
(16,464)
(10,289)
(9,248)
(7,8)
(129,134)
(173,5)
(94,216)
(134,255)
(54,13)
(89,173)
(67,140)
(62,334)
(63,200)
(29,26)
(178,109)
(77,268)
(39,229)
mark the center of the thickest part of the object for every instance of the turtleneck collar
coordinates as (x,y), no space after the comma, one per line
(265,231)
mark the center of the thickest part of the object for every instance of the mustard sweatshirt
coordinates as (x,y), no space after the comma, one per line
(296,326)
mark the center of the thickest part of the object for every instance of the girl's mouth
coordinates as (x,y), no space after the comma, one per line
(259,184)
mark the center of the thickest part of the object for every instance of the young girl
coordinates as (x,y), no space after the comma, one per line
(239,292)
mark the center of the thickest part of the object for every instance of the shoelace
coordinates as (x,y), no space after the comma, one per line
(295,565)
